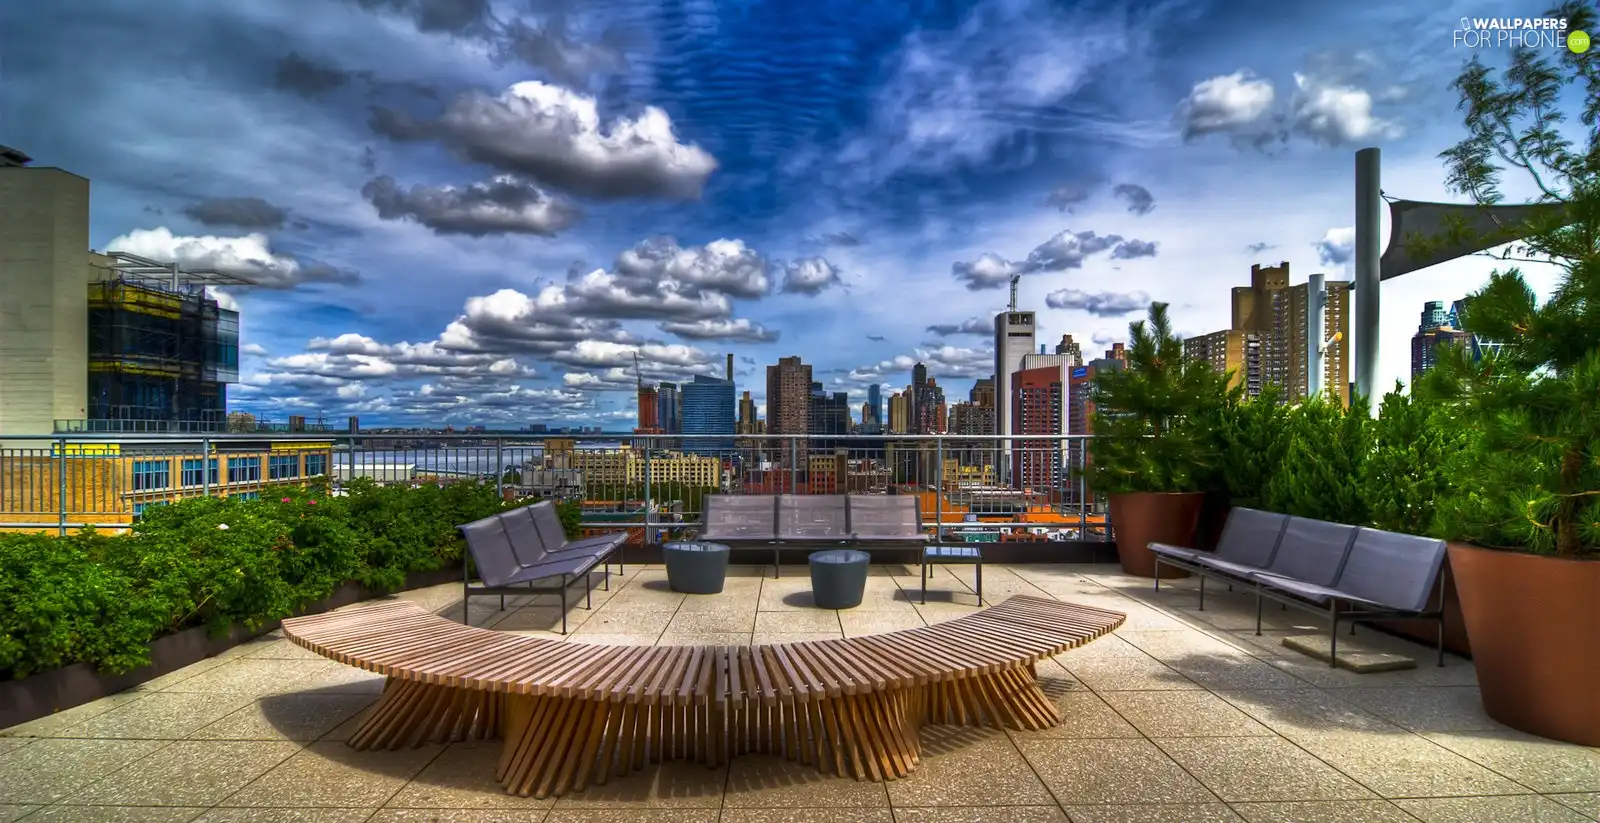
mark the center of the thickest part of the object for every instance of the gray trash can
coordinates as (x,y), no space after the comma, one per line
(696,567)
(839,578)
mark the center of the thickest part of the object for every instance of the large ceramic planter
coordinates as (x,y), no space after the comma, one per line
(1534,625)
(1142,518)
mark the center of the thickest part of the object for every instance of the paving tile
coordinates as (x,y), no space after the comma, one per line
(770,638)
(1456,672)
(786,595)
(8,744)
(542,619)
(1527,808)
(1260,768)
(1426,709)
(263,815)
(342,679)
(333,774)
(256,676)
(278,648)
(934,612)
(810,620)
(712,622)
(618,639)
(1353,653)
(161,716)
(857,623)
(1097,772)
(1305,713)
(763,781)
(631,816)
(1168,646)
(187,773)
(978,814)
(457,816)
(1585,802)
(968,767)
(1183,714)
(1325,811)
(675,784)
(115,814)
(52,724)
(1109,646)
(801,814)
(10,812)
(462,777)
(734,602)
(1153,813)
(1545,766)
(1083,715)
(606,621)
(47,771)
(672,638)
(1234,671)
(304,717)
(1405,765)
(172,678)
(1125,673)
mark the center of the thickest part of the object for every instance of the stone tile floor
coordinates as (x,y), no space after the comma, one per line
(1181,716)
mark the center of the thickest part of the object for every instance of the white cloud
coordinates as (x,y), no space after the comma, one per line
(250,257)
(1337,246)
(741,330)
(503,205)
(1103,304)
(810,275)
(1226,103)
(1335,114)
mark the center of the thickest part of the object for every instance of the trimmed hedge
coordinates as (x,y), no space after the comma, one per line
(101,599)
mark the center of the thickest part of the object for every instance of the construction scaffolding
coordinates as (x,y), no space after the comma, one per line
(161,350)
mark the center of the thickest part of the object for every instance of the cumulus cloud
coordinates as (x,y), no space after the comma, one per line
(253,349)
(840,238)
(810,275)
(1066,250)
(509,321)
(460,17)
(742,330)
(1226,103)
(1100,304)
(554,136)
(943,362)
(1134,249)
(1337,246)
(1065,197)
(723,266)
(989,271)
(1336,114)
(503,205)
(248,213)
(972,325)
(355,356)
(250,257)
(307,77)
(1105,338)
(1137,197)
(550,47)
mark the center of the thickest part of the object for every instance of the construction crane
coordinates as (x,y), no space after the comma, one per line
(638,373)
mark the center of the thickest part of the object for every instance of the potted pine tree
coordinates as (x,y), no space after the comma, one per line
(1151,449)
(1523,520)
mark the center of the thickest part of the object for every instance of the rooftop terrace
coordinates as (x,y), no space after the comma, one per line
(1179,716)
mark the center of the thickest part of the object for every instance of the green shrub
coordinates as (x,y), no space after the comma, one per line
(1408,471)
(1253,437)
(59,605)
(1322,463)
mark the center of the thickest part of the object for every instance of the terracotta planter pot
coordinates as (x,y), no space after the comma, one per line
(1534,625)
(1142,518)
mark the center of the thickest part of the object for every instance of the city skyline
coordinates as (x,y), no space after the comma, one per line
(464,218)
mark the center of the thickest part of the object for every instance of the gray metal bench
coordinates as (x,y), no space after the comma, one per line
(896,520)
(1249,541)
(810,521)
(510,555)
(742,520)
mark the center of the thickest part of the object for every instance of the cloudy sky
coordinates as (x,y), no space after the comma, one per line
(466,211)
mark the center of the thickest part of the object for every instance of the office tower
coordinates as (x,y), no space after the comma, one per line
(1040,407)
(649,410)
(1080,413)
(788,397)
(1013,338)
(1435,330)
(872,417)
(708,409)
(1480,347)
(354,425)
(1277,314)
(899,413)
(926,408)
(669,409)
(1070,347)
(747,414)
(829,417)
(982,394)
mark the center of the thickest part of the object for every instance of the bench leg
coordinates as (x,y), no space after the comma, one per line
(1158,572)
(1258,611)
(412,713)
(1333,636)
(1202,589)
(588,592)
(1441,640)
(564,583)
(924,581)
(980,582)
(777,562)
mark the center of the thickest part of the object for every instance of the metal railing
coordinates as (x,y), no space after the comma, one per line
(975,488)
(135,426)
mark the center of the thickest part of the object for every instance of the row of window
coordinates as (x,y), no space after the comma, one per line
(151,475)
(140,508)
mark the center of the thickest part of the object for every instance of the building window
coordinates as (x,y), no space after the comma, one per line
(246,495)
(198,472)
(151,474)
(244,470)
(283,467)
(316,464)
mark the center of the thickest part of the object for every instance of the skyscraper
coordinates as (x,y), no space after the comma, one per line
(649,411)
(1435,330)
(1013,338)
(982,394)
(708,409)
(669,408)
(1040,407)
(829,417)
(748,422)
(788,397)
(872,419)
(1277,314)
(1070,347)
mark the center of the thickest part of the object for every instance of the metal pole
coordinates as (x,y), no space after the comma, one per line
(205,467)
(794,465)
(499,469)
(1316,320)
(61,491)
(938,490)
(1369,222)
(647,539)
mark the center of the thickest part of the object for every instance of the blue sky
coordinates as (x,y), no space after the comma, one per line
(464,212)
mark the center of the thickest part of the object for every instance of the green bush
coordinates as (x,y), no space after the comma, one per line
(1252,438)
(1414,442)
(1322,462)
(212,561)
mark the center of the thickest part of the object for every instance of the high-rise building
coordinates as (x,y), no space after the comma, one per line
(1480,347)
(872,419)
(789,397)
(1278,314)
(1040,407)
(649,411)
(1435,330)
(982,394)
(1080,411)
(1070,347)
(927,409)
(829,416)
(747,414)
(1118,351)
(1013,338)
(1232,352)
(708,409)
(669,408)
(899,413)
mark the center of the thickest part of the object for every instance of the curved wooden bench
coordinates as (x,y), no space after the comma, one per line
(572,713)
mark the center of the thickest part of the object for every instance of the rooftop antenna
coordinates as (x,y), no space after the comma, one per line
(1014,279)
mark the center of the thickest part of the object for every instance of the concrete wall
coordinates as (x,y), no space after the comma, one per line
(44,314)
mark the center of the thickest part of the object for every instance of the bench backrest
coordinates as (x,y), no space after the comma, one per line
(1397,570)
(754,517)
(1251,537)
(885,516)
(527,544)
(548,520)
(491,550)
(812,516)
(1313,551)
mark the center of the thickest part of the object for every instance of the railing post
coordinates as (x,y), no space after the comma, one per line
(61,486)
(938,490)
(794,465)
(205,468)
(648,442)
(499,469)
